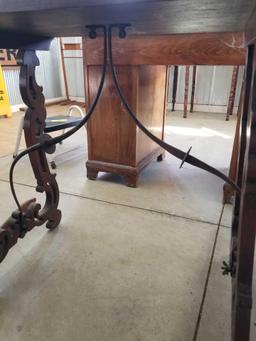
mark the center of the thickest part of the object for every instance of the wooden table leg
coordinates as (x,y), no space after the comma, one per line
(174,87)
(228,191)
(186,92)
(193,89)
(232,93)
(244,218)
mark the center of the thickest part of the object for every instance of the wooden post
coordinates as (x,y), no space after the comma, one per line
(186,92)
(64,69)
(244,219)
(232,93)
(193,89)
(174,88)
(228,191)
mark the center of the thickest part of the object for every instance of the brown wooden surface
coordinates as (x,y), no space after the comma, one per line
(186,49)
(151,106)
(244,217)
(64,18)
(111,133)
(244,220)
(114,143)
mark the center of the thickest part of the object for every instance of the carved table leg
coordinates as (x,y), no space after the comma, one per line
(30,213)
(34,123)
(186,92)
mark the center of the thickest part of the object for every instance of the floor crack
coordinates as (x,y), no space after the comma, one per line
(198,322)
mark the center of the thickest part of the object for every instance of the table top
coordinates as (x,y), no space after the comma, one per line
(55,18)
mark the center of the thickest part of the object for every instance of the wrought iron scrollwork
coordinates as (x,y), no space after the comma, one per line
(183,156)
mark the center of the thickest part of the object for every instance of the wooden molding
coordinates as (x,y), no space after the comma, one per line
(182,49)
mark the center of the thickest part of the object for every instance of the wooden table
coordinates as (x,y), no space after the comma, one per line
(30,25)
(114,143)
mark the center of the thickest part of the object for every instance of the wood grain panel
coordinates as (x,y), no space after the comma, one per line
(151,106)
(64,18)
(115,144)
(185,49)
(111,133)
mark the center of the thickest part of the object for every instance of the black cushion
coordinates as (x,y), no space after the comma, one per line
(59,122)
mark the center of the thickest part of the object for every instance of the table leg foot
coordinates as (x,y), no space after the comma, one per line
(131,180)
(92,174)
(228,194)
(160,157)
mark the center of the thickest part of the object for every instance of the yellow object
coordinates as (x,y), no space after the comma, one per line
(5,108)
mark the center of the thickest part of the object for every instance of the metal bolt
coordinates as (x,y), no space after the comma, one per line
(92,34)
(122,33)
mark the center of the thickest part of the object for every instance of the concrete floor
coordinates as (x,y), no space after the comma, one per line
(125,264)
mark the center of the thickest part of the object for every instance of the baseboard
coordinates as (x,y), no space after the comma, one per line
(17,107)
(78,99)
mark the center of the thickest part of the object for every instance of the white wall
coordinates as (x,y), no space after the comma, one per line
(74,70)
(48,75)
(211,89)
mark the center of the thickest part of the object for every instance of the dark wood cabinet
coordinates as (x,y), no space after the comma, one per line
(115,144)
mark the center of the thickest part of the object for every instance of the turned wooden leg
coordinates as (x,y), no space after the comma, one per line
(186,92)
(174,87)
(131,180)
(232,93)
(193,89)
